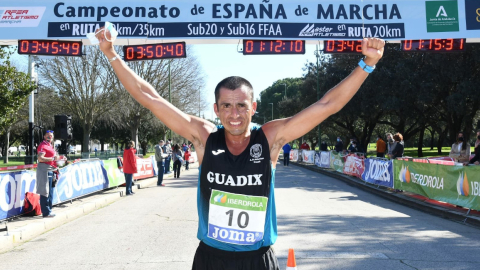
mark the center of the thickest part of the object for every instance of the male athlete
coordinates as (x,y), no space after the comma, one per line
(235,196)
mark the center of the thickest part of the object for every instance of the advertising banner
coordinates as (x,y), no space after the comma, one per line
(13,186)
(318,161)
(114,174)
(325,159)
(294,155)
(354,166)
(79,179)
(211,19)
(336,162)
(457,185)
(144,168)
(378,172)
(308,156)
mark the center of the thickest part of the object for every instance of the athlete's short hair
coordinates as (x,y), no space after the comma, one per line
(232,83)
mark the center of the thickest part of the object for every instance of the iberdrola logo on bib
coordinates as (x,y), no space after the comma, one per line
(221,198)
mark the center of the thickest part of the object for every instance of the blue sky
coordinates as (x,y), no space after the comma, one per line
(222,60)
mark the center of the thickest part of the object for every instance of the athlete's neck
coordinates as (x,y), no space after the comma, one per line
(237,143)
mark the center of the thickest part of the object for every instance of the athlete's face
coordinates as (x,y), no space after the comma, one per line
(235,109)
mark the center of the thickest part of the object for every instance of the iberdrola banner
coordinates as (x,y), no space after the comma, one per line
(336,162)
(458,185)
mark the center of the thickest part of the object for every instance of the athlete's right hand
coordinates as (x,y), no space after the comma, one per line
(105,46)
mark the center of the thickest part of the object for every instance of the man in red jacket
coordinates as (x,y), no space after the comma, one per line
(129,166)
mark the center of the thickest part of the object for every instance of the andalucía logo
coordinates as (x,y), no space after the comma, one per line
(462,185)
(404,175)
(221,198)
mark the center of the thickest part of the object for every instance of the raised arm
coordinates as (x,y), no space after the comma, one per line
(190,127)
(284,130)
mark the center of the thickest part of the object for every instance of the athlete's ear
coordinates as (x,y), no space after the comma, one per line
(254,108)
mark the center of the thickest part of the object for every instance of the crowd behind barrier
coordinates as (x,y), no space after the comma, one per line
(77,179)
(437,178)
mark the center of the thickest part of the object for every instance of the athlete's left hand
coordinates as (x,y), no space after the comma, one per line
(372,48)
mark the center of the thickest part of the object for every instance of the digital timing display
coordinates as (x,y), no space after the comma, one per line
(50,47)
(154,51)
(342,46)
(273,47)
(433,45)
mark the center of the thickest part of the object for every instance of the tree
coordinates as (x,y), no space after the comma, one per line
(87,87)
(15,87)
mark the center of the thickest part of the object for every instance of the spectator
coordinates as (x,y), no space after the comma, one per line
(186,156)
(159,156)
(177,160)
(305,146)
(129,166)
(381,147)
(353,147)
(167,149)
(476,159)
(47,157)
(286,154)
(323,146)
(398,150)
(184,147)
(390,144)
(460,151)
(339,145)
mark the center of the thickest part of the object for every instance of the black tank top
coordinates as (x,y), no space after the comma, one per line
(248,173)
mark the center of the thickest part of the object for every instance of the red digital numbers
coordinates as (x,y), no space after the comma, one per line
(154,51)
(433,45)
(273,47)
(50,47)
(342,46)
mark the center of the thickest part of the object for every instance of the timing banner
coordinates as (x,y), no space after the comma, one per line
(336,162)
(452,184)
(378,172)
(308,156)
(212,19)
(13,186)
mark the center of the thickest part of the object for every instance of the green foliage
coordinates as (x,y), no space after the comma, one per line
(15,87)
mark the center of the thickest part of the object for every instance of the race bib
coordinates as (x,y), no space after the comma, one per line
(236,218)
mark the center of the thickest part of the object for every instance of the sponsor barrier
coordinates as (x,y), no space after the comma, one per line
(378,172)
(451,184)
(294,155)
(336,161)
(354,166)
(76,180)
(144,168)
(308,156)
(13,186)
(325,159)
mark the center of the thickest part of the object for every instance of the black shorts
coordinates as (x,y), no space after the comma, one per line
(209,258)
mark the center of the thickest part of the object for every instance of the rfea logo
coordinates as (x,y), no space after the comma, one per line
(462,185)
(221,198)
(404,175)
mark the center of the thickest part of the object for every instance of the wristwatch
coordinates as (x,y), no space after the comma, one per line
(366,67)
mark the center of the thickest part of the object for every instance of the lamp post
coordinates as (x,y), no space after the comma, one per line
(320,56)
(272,109)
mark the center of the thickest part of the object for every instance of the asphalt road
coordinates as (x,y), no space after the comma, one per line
(330,224)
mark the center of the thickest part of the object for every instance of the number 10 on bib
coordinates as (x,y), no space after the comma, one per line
(236,218)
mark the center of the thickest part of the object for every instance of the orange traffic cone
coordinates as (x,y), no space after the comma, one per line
(291,263)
